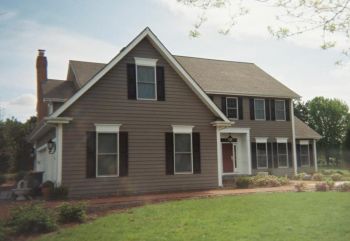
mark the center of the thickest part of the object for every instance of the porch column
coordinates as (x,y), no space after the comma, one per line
(294,149)
(59,136)
(219,156)
(249,153)
(315,155)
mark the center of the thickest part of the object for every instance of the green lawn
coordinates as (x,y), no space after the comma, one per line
(259,217)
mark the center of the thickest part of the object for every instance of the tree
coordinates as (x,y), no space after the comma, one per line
(301,111)
(346,147)
(330,118)
(329,18)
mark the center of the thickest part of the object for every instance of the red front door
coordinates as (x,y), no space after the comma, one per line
(227,155)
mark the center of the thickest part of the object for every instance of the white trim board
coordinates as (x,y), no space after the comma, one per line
(166,54)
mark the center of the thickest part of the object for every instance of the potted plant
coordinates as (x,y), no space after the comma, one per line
(46,189)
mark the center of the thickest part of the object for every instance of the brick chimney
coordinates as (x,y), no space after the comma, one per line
(41,77)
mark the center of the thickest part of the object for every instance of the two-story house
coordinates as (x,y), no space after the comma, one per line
(150,121)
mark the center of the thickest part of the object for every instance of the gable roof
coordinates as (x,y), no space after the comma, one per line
(84,71)
(234,78)
(57,89)
(146,33)
(303,131)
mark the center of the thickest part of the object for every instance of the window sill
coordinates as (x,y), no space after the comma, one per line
(182,173)
(106,176)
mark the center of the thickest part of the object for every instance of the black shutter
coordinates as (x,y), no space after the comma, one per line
(311,154)
(298,156)
(287,103)
(91,154)
(131,76)
(253,147)
(160,83)
(124,154)
(223,105)
(169,153)
(196,145)
(272,107)
(240,107)
(290,154)
(269,154)
(275,157)
(267,109)
(251,107)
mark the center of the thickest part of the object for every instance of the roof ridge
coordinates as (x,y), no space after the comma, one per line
(72,60)
(224,60)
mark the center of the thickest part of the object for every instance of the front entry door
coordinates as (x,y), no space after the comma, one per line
(227,157)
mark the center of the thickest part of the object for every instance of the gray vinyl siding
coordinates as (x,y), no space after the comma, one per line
(258,128)
(146,122)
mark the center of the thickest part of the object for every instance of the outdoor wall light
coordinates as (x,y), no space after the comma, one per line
(230,138)
(51,145)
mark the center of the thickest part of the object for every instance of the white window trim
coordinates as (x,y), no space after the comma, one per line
(278,155)
(50,108)
(182,129)
(281,139)
(227,108)
(261,139)
(284,110)
(257,99)
(175,172)
(111,129)
(308,155)
(149,63)
(304,142)
(267,156)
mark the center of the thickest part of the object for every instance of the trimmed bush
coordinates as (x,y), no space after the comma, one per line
(300,176)
(330,184)
(300,187)
(242,182)
(318,177)
(336,177)
(327,172)
(59,193)
(345,187)
(321,187)
(269,181)
(68,213)
(32,218)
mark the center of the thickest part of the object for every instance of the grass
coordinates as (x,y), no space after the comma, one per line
(283,216)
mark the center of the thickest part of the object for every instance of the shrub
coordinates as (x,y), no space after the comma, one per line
(68,213)
(269,181)
(321,187)
(2,179)
(330,184)
(283,180)
(336,177)
(32,218)
(300,187)
(48,184)
(327,172)
(317,177)
(242,182)
(345,187)
(59,193)
(300,176)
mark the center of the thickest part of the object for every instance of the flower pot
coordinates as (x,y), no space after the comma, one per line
(46,192)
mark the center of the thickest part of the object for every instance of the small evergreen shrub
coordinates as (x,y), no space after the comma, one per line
(345,187)
(32,218)
(269,181)
(300,187)
(68,213)
(59,193)
(321,187)
(300,176)
(318,177)
(242,182)
(327,172)
(336,177)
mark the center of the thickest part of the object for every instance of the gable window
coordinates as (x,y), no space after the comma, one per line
(232,107)
(146,84)
(261,153)
(107,150)
(259,109)
(280,110)
(304,155)
(183,155)
(282,152)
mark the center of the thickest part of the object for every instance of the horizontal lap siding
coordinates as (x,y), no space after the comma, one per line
(146,122)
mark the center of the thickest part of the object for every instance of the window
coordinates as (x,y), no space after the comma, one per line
(261,154)
(282,154)
(304,155)
(107,150)
(183,153)
(232,107)
(146,79)
(280,110)
(259,108)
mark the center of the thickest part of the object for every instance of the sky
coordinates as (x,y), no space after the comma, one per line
(96,30)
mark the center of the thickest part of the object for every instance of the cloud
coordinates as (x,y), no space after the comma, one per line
(21,107)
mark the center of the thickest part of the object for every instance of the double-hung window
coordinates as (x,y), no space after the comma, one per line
(183,153)
(107,150)
(146,83)
(259,109)
(304,154)
(280,110)
(261,153)
(232,107)
(282,152)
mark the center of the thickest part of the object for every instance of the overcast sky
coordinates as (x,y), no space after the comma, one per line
(97,30)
